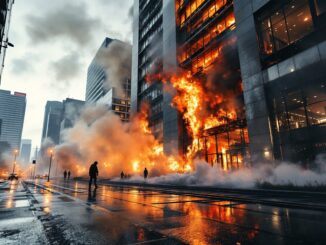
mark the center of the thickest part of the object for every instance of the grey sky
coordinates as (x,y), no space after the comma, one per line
(55,40)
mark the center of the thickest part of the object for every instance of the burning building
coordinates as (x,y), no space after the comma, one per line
(204,113)
(228,77)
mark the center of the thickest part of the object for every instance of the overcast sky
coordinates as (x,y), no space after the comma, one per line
(55,40)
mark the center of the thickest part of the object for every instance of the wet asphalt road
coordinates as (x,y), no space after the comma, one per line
(67,213)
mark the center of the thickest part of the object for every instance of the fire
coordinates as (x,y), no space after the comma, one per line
(135,166)
(222,117)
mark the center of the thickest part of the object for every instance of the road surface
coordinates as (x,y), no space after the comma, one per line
(65,212)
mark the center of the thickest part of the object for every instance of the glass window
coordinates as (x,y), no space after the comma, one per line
(288,24)
(266,41)
(281,37)
(219,4)
(299,21)
(211,11)
(193,6)
(206,39)
(188,11)
(230,19)
(221,26)
(320,6)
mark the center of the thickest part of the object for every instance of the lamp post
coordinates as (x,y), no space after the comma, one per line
(51,155)
(14,163)
(34,163)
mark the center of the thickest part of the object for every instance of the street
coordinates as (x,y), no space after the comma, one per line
(65,212)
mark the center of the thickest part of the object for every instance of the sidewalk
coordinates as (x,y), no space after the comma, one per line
(18,223)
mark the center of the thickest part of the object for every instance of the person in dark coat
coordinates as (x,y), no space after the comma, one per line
(65,174)
(69,174)
(122,175)
(93,173)
(145,173)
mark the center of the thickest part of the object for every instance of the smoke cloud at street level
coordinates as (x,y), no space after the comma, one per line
(281,174)
(100,135)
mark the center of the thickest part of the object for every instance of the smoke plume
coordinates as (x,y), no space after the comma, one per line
(72,22)
(116,60)
(99,135)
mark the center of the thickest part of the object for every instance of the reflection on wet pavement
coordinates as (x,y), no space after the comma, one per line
(126,215)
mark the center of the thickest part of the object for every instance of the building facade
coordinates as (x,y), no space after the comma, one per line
(99,90)
(275,51)
(5,16)
(96,76)
(282,47)
(52,121)
(12,114)
(25,150)
(119,105)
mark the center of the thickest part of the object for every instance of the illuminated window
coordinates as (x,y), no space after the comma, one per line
(211,11)
(299,21)
(284,26)
(230,19)
(219,4)
(301,108)
(221,26)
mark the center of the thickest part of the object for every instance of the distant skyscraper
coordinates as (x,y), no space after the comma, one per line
(70,112)
(96,77)
(25,150)
(117,99)
(52,121)
(5,10)
(12,113)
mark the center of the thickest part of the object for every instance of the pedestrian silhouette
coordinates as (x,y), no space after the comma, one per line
(69,174)
(122,175)
(65,174)
(93,173)
(145,173)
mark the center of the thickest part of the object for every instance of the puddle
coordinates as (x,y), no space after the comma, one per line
(21,203)
(8,222)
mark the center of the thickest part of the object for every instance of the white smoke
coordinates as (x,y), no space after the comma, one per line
(281,174)
(116,60)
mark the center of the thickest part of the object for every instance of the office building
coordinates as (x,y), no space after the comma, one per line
(5,16)
(274,51)
(98,83)
(283,72)
(100,90)
(25,151)
(12,114)
(52,121)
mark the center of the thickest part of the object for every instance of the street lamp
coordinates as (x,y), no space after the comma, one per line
(6,44)
(14,163)
(51,155)
(34,163)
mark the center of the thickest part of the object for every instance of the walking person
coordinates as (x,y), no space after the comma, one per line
(122,175)
(65,175)
(68,174)
(93,173)
(145,173)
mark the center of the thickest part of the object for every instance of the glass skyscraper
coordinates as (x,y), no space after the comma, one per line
(12,114)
